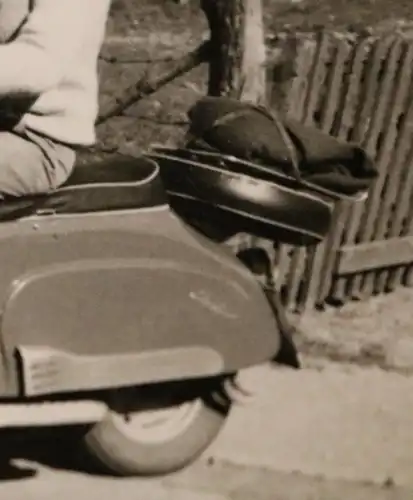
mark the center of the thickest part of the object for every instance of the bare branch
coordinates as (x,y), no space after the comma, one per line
(135,60)
(147,85)
(159,121)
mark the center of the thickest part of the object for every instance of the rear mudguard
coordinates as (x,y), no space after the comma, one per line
(115,299)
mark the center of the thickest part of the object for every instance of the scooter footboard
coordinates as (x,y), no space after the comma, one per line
(45,370)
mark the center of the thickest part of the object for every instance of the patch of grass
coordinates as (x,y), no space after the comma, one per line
(159,118)
(138,16)
(154,29)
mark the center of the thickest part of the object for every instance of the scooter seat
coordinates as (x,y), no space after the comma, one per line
(117,183)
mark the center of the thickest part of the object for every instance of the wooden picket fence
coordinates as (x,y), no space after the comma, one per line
(357,88)
(360,88)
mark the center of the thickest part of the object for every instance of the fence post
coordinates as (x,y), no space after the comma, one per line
(237,65)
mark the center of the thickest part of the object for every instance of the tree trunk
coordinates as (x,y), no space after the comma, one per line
(237,66)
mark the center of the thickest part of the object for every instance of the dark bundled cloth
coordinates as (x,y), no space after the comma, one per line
(252,133)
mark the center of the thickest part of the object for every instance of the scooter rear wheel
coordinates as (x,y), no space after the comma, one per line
(157,430)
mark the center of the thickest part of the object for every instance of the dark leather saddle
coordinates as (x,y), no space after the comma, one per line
(117,183)
(234,195)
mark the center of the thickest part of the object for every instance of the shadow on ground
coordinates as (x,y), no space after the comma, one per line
(208,478)
(58,449)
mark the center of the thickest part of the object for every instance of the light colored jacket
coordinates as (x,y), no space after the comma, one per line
(48,66)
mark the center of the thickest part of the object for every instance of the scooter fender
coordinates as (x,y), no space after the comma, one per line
(100,323)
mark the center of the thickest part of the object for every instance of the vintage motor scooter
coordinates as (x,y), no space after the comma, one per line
(119,317)
(124,314)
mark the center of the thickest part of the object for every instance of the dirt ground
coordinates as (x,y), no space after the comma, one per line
(376,332)
(203,481)
(335,433)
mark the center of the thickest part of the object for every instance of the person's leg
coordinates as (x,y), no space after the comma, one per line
(31,164)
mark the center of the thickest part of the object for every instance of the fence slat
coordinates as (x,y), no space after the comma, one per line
(361,52)
(371,54)
(378,52)
(295,276)
(408,274)
(281,263)
(403,275)
(335,78)
(315,256)
(316,79)
(388,169)
(344,117)
(375,282)
(404,157)
(300,85)
(310,282)
(296,101)
(377,124)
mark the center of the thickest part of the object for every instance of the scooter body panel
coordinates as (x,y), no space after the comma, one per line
(136,294)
